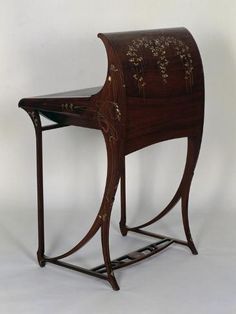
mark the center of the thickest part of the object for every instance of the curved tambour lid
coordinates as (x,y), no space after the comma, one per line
(157,63)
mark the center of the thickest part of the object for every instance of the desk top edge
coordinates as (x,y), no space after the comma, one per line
(81,93)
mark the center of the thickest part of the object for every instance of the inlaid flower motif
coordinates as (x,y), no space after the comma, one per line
(158,49)
(35,118)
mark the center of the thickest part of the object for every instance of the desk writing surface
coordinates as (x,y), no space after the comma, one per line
(86,92)
(70,107)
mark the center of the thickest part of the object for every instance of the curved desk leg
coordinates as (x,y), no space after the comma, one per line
(182,194)
(34,115)
(113,145)
(194,144)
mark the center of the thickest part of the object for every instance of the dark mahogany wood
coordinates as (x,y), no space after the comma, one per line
(154,91)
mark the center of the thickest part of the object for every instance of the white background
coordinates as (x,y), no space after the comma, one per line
(51,46)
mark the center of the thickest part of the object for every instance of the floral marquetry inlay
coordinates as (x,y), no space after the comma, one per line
(158,48)
(113,68)
(35,118)
(72,107)
(117,111)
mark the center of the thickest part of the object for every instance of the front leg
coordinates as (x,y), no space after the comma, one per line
(35,117)
(111,133)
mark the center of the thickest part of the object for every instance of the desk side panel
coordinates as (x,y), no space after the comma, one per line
(164,83)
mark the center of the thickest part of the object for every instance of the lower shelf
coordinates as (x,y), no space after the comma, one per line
(123,261)
(135,256)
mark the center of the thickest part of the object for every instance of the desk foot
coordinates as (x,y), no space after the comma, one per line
(113,283)
(192,248)
(41,259)
(123,229)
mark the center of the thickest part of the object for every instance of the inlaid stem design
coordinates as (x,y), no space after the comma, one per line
(114,110)
(72,107)
(108,112)
(158,48)
(34,117)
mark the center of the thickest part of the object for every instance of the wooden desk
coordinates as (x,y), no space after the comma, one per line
(154,91)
